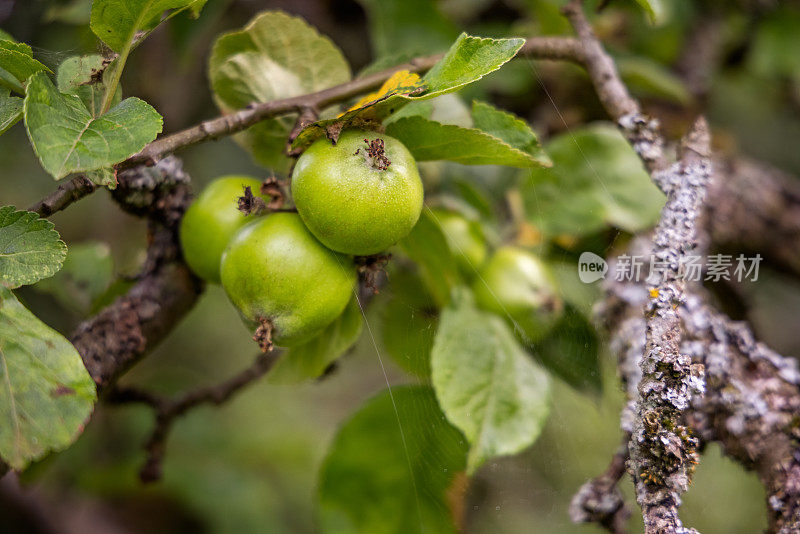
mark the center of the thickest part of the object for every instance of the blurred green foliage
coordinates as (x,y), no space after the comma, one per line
(252,465)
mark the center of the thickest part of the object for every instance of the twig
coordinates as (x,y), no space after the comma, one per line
(63,196)
(603,72)
(167,410)
(552,48)
(243,119)
(600,501)
(557,48)
(642,131)
(307,116)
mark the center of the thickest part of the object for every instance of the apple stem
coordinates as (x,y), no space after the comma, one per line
(370,267)
(263,335)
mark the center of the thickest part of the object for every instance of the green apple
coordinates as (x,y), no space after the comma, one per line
(275,271)
(360,195)
(211,220)
(517,285)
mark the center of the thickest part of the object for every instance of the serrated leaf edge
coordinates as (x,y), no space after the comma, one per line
(32,217)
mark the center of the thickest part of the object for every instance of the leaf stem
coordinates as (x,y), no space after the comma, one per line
(111,88)
(130,44)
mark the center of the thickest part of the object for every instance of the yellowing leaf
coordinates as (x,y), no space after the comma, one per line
(468,60)
(401,82)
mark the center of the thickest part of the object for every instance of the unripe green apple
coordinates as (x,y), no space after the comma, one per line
(359,196)
(274,270)
(465,239)
(211,220)
(518,285)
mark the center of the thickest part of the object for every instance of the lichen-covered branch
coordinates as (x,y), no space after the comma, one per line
(114,339)
(751,208)
(600,501)
(751,407)
(662,450)
(752,395)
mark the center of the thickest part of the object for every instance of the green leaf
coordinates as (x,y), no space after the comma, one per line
(10,112)
(123,24)
(468,60)
(430,140)
(486,384)
(427,246)
(655,9)
(30,248)
(275,56)
(68,139)
(390,466)
(411,26)
(117,22)
(105,177)
(78,76)
(310,359)
(414,109)
(9,83)
(407,335)
(85,277)
(596,180)
(46,395)
(17,60)
(447,109)
(571,351)
(507,127)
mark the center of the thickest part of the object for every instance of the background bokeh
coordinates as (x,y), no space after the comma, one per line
(251,465)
